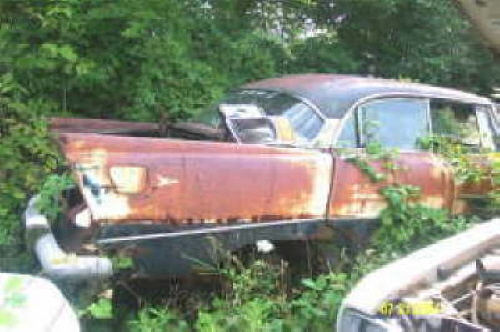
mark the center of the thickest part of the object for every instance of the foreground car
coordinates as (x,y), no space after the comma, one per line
(270,163)
(455,288)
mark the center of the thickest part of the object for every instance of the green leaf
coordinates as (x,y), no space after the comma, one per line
(51,48)
(311,284)
(102,309)
(68,53)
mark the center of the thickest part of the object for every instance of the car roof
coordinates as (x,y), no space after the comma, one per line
(334,94)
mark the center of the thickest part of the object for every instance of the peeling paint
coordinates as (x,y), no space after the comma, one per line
(433,201)
(128,179)
(200,182)
(83,218)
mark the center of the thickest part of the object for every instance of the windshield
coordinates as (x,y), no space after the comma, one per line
(257,116)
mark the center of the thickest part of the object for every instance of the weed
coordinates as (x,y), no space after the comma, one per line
(49,202)
(101,309)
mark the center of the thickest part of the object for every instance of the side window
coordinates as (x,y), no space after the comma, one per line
(394,122)
(455,120)
(304,120)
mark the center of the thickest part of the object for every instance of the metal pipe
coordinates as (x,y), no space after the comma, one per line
(56,263)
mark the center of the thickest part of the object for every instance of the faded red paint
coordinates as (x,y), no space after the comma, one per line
(206,182)
(355,195)
(202,182)
(482,164)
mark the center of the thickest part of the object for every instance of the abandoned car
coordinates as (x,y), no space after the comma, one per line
(455,288)
(271,162)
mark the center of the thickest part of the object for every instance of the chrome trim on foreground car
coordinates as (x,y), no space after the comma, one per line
(441,272)
(56,263)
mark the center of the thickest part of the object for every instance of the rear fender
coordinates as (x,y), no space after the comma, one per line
(125,179)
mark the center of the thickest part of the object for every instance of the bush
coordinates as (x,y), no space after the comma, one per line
(27,156)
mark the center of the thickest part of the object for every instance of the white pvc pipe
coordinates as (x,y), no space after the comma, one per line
(56,263)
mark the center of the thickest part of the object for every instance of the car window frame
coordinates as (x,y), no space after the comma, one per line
(355,112)
(359,122)
(489,110)
(352,110)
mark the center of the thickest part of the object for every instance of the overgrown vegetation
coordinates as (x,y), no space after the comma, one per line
(152,60)
(27,157)
(50,201)
(258,299)
(406,225)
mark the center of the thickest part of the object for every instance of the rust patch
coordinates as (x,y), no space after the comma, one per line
(201,182)
(354,195)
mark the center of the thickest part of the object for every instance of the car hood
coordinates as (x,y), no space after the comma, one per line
(401,277)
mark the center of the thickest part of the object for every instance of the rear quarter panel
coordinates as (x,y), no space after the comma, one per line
(192,182)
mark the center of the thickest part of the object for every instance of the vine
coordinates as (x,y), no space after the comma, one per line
(50,199)
(468,170)
(405,221)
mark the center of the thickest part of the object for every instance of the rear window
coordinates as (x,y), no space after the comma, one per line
(301,117)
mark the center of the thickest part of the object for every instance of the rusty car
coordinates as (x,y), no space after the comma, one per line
(269,162)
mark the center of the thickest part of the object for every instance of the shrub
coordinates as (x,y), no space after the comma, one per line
(27,156)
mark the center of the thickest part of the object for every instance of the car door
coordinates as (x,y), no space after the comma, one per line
(471,128)
(396,123)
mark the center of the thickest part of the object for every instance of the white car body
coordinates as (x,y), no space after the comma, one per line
(34,304)
(443,272)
